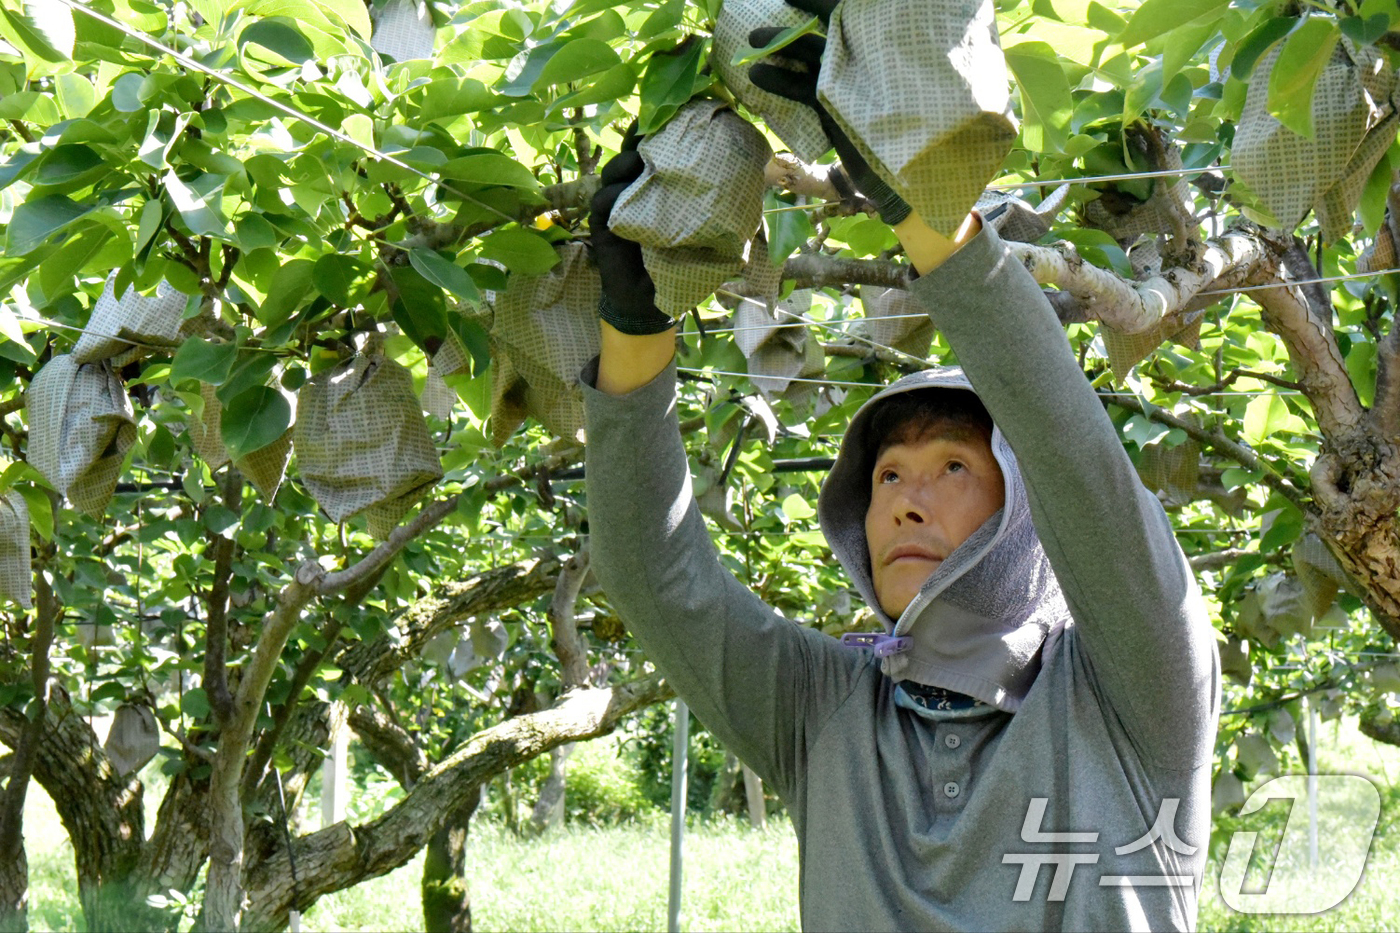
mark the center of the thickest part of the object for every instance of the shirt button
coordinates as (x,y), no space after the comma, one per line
(951,789)
(951,740)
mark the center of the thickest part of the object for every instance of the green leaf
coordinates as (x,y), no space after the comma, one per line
(254,418)
(520,250)
(1046,105)
(419,308)
(67,163)
(797,508)
(203,360)
(289,285)
(40,509)
(19,165)
(1156,17)
(614,84)
(279,40)
(1266,415)
(1285,527)
(669,81)
(445,273)
(1257,43)
(353,13)
(1371,209)
(34,222)
(577,60)
(747,56)
(1366,30)
(452,97)
(1099,248)
(335,277)
(1182,44)
(195,703)
(523,84)
(252,231)
(787,229)
(489,168)
(667,17)
(44,32)
(1361,367)
(198,203)
(1294,78)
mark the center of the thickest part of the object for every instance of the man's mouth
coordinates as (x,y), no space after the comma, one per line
(910,552)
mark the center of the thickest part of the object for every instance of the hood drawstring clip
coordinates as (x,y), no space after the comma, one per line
(884,645)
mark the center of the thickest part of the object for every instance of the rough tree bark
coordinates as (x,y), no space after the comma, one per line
(14,863)
(447,903)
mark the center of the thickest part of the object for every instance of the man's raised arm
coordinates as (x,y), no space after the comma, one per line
(760,682)
(1138,612)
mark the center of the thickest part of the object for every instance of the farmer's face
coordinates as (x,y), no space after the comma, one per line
(926,498)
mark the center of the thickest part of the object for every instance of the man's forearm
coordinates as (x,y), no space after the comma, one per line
(627,362)
(928,249)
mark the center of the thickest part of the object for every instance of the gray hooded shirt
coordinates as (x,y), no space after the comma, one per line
(1078,795)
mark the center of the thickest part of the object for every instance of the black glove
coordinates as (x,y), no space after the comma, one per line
(629,295)
(798,82)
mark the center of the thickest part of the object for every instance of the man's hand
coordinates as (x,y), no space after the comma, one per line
(637,339)
(629,295)
(926,248)
(797,81)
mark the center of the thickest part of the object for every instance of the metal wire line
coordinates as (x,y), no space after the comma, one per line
(315,124)
(1046,183)
(825,325)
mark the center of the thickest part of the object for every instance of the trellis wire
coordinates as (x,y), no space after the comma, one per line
(315,124)
(1046,183)
(825,325)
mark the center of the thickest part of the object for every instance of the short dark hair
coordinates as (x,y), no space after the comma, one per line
(923,414)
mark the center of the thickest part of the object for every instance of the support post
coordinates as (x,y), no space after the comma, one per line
(679,768)
(334,779)
(1312,783)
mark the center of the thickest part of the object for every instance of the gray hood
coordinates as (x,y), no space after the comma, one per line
(979,622)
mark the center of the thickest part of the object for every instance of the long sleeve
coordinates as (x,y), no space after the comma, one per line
(761,683)
(1138,613)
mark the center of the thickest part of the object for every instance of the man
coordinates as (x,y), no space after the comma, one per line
(1030,745)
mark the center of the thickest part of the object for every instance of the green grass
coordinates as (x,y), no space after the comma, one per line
(615,878)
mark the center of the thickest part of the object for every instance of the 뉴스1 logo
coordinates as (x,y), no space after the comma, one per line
(1347,808)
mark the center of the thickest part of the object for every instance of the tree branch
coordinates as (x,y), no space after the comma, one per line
(568,647)
(216,631)
(1312,348)
(1218,442)
(224,888)
(428,517)
(1134,307)
(390,745)
(1216,560)
(267,742)
(483,594)
(341,856)
(818,270)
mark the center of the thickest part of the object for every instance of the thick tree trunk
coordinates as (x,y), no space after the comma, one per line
(101,811)
(447,904)
(14,864)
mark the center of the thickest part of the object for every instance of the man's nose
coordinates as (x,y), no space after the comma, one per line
(911,507)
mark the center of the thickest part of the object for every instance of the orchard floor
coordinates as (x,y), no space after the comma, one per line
(736,878)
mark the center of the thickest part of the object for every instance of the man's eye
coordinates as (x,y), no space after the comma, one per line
(888,476)
(956,467)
